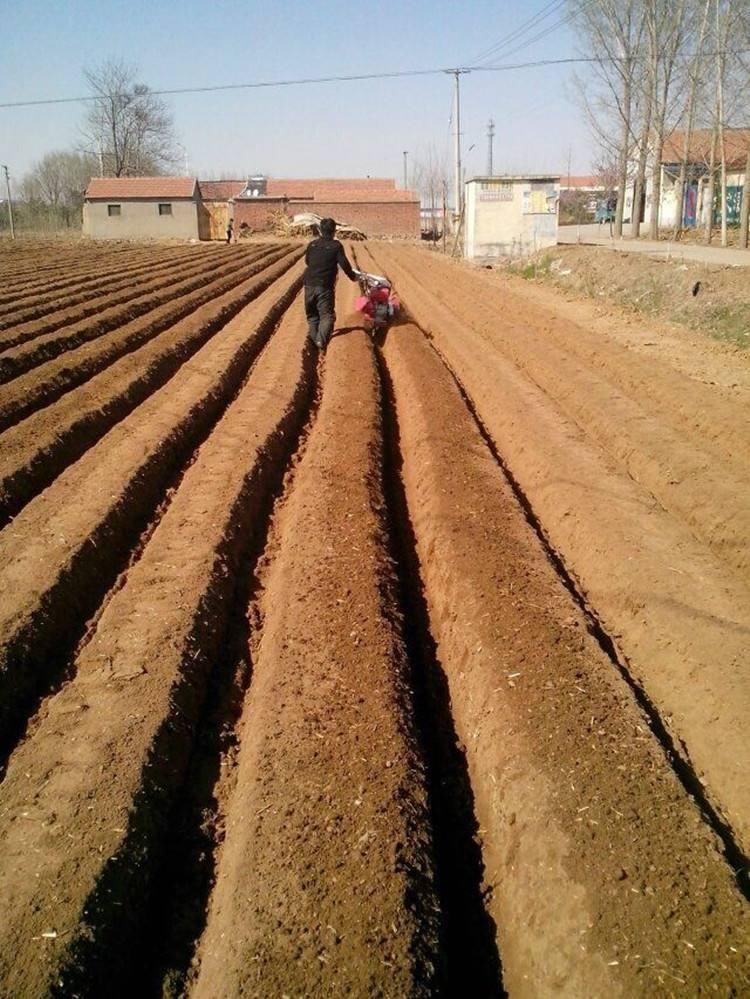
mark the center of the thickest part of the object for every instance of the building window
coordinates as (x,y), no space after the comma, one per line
(541,199)
(165,209)
(496,190)
(114,210)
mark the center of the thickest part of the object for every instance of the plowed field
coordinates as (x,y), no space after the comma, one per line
(418,668)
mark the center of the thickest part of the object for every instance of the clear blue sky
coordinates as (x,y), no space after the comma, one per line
(349,129)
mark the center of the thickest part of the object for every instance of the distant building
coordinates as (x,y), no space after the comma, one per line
(144,208)
(372,204)
(589,184)
(510,216)
(695,208)
(184,208)
(217,200)
(587,190)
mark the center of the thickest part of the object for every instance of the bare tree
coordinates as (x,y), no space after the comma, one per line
(647,74)
(612,31)
(723,20)
(28,188)
(730,81)
(60,178)
(728,101)
(429,177)
(605,171)
(648,101)
(127,127)
(693,73)
(743,33)
(49,176)
(667,22)
(710,187)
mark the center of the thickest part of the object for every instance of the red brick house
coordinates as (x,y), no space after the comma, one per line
(372,204)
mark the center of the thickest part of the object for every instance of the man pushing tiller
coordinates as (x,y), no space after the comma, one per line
(323,257)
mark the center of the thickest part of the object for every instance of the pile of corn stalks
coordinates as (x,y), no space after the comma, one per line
(308,223)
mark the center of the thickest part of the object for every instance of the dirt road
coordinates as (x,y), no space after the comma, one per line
(419,668)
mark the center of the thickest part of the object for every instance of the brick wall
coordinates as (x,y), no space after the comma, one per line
(256,212)
(331,188)
(382,218)
(375,218)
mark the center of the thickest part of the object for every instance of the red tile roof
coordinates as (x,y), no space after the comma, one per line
(141,187)
(736,144)
(582,183)
(221,190)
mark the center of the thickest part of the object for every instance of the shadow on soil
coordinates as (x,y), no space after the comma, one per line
(470,961)
(679,761)
(180,894)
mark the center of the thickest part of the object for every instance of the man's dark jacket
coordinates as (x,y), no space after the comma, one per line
(322,257)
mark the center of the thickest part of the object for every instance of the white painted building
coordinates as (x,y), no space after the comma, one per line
(144,208)
(695,207)
(510,216)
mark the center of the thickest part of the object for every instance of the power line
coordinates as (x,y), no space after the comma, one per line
(548,30)
(237,86)
(507,67)
(501,49)
(572,60)
(525,26)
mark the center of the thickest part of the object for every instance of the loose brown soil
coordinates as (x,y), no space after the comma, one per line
(328,775)
(570,794)
(40,446)
(63,334)
(28,392)
(419,670)
(73,293)
(678,612)
(171,607)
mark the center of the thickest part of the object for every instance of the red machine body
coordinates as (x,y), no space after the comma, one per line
(378,302)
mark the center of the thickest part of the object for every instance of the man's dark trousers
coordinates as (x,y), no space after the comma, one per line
(320,312)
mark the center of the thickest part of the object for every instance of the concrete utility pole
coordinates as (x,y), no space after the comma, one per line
(457,73)
(490,140)
(10,203)
(406,172)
